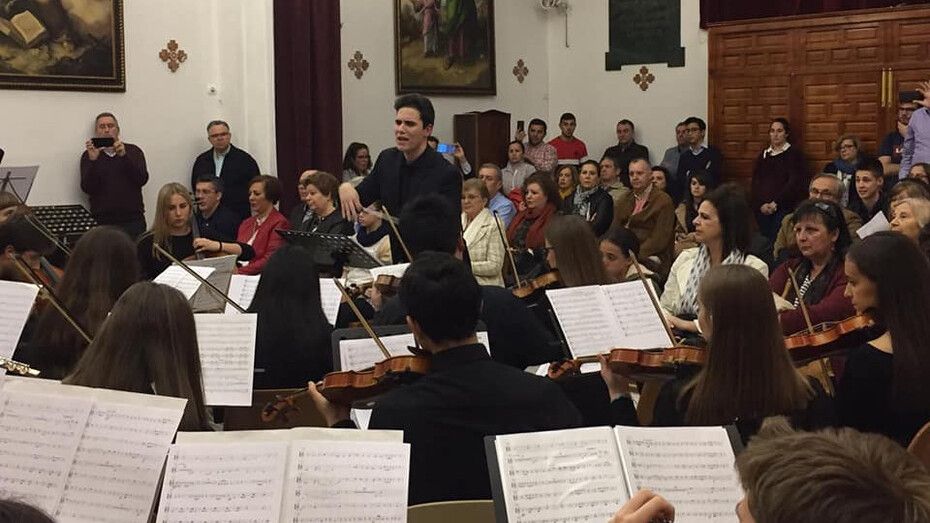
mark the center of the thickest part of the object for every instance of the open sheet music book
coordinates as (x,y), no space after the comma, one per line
(175,276)
(362,353)
(84,454)
(227,357)
(242,290)
(598,318)
(587,474)
(16,300)
(287,475)
(206,299)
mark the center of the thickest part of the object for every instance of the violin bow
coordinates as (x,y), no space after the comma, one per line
(391,220)
(195,227)
(52,297)
(361,319)
(828,381)
(513,263)
(199,278)
(652,298)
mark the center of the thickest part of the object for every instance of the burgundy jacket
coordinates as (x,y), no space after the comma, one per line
(832,307)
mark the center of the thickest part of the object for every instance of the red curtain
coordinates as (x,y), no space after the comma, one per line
(727,10)
(308,91)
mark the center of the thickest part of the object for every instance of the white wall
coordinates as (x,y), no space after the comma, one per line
(229,45)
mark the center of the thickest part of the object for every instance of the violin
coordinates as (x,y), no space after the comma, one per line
(820,341)
(527,288)
(636,363)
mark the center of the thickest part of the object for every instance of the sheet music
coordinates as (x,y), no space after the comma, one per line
(563,475)
(358,481)
(16,301)
(294,434)
(118,463)
(223,482)
(175,276)
(397,270)
(39,435)
(227,357)
(363,353)
(692,467)
(586,318)
(330,297)
(241,290)
(636,317)
(206,299)
(878,223)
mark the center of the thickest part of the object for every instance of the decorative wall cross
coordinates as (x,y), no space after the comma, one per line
(520,70)
(358,64)
(643,78)
(172,55)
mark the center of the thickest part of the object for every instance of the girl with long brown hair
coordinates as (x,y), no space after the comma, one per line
(580,262)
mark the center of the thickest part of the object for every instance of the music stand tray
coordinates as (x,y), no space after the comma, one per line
(334,245)
(18,180)
(67,222)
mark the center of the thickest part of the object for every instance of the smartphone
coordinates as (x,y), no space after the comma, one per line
(446,148)
(519,125)
(100,143)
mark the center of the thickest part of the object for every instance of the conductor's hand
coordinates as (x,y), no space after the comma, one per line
(119,148)
(333,413)
(645,507)
(350,202)
(92,152)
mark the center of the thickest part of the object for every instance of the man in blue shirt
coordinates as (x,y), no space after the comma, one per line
(499,204)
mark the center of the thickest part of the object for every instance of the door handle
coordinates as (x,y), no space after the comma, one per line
(884,88)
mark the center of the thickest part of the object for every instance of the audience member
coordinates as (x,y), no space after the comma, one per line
(824,187)
(909,216)
(214,221)
(499,204)
(869,189)
(482,235)
(610,179)
(849,158)
(660,178)
(892,147)
(258,230)
(588,199)
(526,233)
(566,178)
(698,156)
(570,150)
(920,171)
(517,168)
(649,214)
(232,165)
(698,186)
(113,177)
(356,164)
(779,180)
(301,213)
(371,232)
(626,149)
(672,154)
(907,188)
(456,157)
(321,190)
(535,151)
(580,262)
(885,386)
(917,140)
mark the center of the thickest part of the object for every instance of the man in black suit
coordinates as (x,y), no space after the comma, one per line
(464,397)
(410,169)
(229,163)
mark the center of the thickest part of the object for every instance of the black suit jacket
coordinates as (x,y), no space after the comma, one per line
(446,414)
(394,182)
(238,169)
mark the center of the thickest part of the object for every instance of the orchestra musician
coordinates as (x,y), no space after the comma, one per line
(19,237)
(171,230)
(580,262)
(885,386)
(148,344)
(617,247)
(748,374)
(526,233)
(9,205)
(464,397)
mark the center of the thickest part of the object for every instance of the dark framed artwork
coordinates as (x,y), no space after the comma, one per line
(62,45)
(444,47)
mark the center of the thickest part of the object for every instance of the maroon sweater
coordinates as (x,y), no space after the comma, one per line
(834,306)
(114,185)
(782,179)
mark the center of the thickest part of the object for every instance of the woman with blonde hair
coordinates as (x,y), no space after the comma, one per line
(909,216)
(171,230)
(481,234)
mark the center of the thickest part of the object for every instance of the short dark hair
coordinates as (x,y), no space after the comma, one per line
(538,121)
(430,223)
(662,169)
(517,142)
(627,122)
(832,216)
(695,120)
(20,233)
(874,167)
(567,116)
(271,186)
(784,123)
(209,178)
(441,295)
(735,216)
(106,114)
(217,122)
(432,139)
(420,103)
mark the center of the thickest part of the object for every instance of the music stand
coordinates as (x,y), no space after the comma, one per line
(18,180)
(340,249)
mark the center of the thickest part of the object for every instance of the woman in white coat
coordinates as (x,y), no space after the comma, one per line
(481,234)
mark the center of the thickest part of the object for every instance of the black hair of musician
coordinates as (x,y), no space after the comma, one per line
(735,217)
(419,103)
(22,235)
(832,216)
(430,223)
(293,337)
(624,239)
(439,292)
(14,511)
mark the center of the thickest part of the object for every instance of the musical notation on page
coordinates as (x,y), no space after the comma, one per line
(227,357)
(362,353)
(16,300)
(176,277)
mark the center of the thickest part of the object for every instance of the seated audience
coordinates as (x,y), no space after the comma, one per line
(322,190)
(885,386)
(570,149)
(626,149)
(909,216)
(535,151)
(482,235)
(465,396)
(356,164)
(649,214)
(722,228)
(871,198)
(499,204)
(779,179)
(660,178)
(102,265)
(517,169)
(618,247)
(148,344)
(698,186)
(697,156)
(292,344)
(908,188)
(372,231)
(672,154)
(588,199)
(566,177)
(610,178)
(526,233)
(920,171)
(171,230)
(580,262)
(300,213)
(214,221)
(748,374)
(822,239)
(844,166)
(824,187)
(234,166)
(258,230)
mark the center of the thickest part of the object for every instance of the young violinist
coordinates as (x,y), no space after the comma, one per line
(464,397)
(617,248)
(18,237)
(748,374)
(148,344)
(885,386)
(571,248)
(822,239)
(722,228)
(171,230)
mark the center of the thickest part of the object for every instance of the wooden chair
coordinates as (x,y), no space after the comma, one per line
(920,445)
(469,511)
(249,418)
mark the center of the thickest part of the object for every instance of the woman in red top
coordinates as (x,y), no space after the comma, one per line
(527,230)
(258,229)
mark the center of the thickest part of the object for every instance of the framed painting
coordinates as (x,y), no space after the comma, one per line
(444,47)
(62,45)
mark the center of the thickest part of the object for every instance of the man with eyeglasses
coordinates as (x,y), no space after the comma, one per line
(697,156)
(892,147)
(232,165)
(214,221)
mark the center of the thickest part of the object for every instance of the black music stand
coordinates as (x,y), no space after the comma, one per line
(18,180)
(339,250)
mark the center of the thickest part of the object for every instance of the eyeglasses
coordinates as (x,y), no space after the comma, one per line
(826,209)
(218,135)
(847,146)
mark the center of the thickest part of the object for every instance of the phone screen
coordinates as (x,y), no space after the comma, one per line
(102,142)
(519,125)
(445,148)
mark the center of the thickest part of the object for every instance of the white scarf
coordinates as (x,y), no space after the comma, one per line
(687,304)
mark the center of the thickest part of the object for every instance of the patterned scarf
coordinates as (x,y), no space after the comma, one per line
(687,304)
(581,204)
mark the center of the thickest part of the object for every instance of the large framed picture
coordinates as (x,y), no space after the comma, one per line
(444,47)
(66,45)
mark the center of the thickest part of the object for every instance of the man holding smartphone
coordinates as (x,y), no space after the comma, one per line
(113,174)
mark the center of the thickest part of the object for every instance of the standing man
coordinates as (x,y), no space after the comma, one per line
(229,163)
(626,149)
(697,156)
(570,150)
(113,177)
(214,221)
(917,138)
(537,152)
(892,147)
(405,171)
(649,214)
(670,159)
